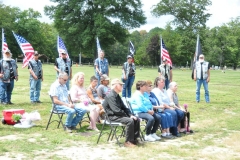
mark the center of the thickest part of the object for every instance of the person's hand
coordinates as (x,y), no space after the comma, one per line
(133,117)
(194,78)
(1,75)
(208,79)
(172,108)
(124,77)
(16,78)
(35,77)
(151,112)
(70,105)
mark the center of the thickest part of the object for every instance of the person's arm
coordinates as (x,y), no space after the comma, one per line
(97,67)
(16,78)
(58,102)
(195,75)
(56,66)
(159,71)
(100,93)
(42,74)
(123,72)
(138,102)
(70,73)
(90,95)
(73,94)
(114,106)
(31,71)
(208,72)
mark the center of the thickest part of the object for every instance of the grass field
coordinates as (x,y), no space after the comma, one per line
(216,125)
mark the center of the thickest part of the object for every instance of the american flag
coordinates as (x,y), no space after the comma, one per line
(198,51)
(4,42)
(26,48)
(98,47)
(61,46)
(165,53)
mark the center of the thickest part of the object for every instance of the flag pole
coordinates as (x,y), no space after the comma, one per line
(2,41)
(160,49)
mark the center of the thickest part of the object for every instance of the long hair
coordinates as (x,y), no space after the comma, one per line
(75,79)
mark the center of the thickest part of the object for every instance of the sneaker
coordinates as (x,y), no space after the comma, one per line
(155,136)
(167,136)
(149,138)
(10,103)
(68,129)
(38,101)
(129,144)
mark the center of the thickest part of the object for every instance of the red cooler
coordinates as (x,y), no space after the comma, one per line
(7,115)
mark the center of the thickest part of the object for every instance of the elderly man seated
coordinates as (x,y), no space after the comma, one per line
(59,92)
(118,112)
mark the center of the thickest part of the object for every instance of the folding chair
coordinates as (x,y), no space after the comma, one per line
(113,129)
(54,111)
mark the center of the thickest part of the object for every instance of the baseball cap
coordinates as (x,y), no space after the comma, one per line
(104,77)
(164,60)
(129,56)
(35,53)
(7,51)
(63,52)
(116,81)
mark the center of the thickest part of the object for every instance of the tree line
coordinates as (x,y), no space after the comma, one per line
(79,22)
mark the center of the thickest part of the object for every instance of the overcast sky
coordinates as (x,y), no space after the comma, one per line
(222,11)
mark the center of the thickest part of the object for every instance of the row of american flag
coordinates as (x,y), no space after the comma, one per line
(28,50)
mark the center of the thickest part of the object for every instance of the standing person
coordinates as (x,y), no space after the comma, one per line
(101,66)
(36,78)
(59,93)
(118,112)
(63,64)
(143,108)
(165,70)
(128,77)
(8,72)
(202,76)
(81,100)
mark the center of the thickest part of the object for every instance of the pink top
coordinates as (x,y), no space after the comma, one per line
(79,94)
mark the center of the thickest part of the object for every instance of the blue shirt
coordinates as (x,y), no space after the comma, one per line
(59,91)
(140,102)
(161,96)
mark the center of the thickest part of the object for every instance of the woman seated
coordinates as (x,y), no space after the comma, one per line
(166,118)
(92,93)
(79,97)
(142,108)
(172,93)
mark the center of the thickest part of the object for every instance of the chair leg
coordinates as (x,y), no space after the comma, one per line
(49,120)
(101,133)
(60,121)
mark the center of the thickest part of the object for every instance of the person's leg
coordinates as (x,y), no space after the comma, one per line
(32,89)
(10,87)
(79,115)
(94,112)
(125,85)
(180,115)
(3,87)
(157,120)
(205,85)
(130,83)
(136,128)
(163,121)
(198,87)
(166,83)
(150,121)
(70,113)
(99,79)
(173,129)
(129,122)
(38,89)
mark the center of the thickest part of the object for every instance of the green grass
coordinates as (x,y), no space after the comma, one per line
(216,124)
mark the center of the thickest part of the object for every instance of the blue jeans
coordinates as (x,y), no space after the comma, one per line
(153,122)
(166,120)
(166,83)
(205,85)
(70,121)
(173,129)
(35,88)
(6,91)
(180,115)
(127,87)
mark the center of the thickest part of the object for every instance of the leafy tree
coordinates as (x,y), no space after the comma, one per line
(79,22)
(153,49)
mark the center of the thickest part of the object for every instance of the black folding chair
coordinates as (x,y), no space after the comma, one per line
(54,111)
(113,129)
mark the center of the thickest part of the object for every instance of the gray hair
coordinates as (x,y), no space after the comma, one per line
(62,74)
(172,84)
(160,78)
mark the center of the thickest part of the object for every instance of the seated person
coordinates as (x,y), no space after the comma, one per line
(59,93)
(161,94)
(118,112)
(166,118)
(142,108)
(92,93)
(79,97)
(103,89)
(172,94)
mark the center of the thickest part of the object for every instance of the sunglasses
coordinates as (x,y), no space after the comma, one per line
(65,79)
(201,57)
